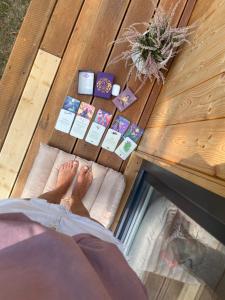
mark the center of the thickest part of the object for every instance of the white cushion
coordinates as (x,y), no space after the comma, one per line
(101,200)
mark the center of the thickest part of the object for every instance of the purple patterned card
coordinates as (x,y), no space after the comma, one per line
(103,117)
(125,99)
(103,86)
(120,124)
(71,104)
(134,132)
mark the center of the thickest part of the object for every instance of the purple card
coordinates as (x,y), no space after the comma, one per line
(103,86)
(120,124)
(125,99)
(71,104)
(103,118)
(86,110)
(134,132)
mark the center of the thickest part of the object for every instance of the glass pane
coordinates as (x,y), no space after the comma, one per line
(164,242)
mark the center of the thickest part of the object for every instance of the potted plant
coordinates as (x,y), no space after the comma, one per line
(148,52)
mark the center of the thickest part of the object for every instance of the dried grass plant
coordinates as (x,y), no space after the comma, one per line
(149,51)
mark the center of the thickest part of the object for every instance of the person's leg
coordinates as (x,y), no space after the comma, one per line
(67,172)
(84,180)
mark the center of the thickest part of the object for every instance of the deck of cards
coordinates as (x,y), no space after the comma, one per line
(75,116)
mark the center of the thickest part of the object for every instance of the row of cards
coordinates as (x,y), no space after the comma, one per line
(75,117)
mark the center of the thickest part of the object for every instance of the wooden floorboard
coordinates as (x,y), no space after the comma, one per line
(60,88)
(26,117)
(60,26)
(145,9)
(86,46)
(94,57)
(21,59)
(134,112)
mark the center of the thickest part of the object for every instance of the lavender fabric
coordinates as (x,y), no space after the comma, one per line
(39,263)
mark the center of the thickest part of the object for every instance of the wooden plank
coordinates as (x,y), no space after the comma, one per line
(95,54)
(207,53)
(189,292)
(145,10)
(172,290)
(198,145)
(134,113)
(60,26)
(156,89)
(65,76)
(130,174)
(205,293)
(202,102)
(24,122)
(210,183)
(21,60)
(153,285)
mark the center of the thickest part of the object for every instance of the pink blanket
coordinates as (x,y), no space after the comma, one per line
(39,263)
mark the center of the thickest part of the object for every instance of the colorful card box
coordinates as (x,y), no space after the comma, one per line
(114,134)
(125,99)
(134,132)
(97,129)
(103,85)
(67,114)
(82,120)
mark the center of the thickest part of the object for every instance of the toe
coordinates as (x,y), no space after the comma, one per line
(90,176)
(75,165)
(83,170)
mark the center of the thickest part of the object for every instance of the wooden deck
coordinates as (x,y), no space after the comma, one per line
(57,38)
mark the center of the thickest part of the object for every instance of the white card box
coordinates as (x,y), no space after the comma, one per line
(86,82)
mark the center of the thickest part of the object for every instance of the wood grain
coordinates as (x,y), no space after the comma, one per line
(194,64)
(210,183)
(202,102)
(21,59)
(24,122)
(130,174)
(145,10)
(60,26)
(134,112)
(199,145)
(95,55)
(59,90)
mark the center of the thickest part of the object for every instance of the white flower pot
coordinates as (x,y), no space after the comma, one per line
(139,63)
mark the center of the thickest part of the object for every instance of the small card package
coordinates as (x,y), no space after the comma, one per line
(82,120)
(86,82)
(126,148)
(125,99)
(103,85)
(98,127)
(67,114)
(114,134)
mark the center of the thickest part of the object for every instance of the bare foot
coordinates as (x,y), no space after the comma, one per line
(84,180)
(67,172)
